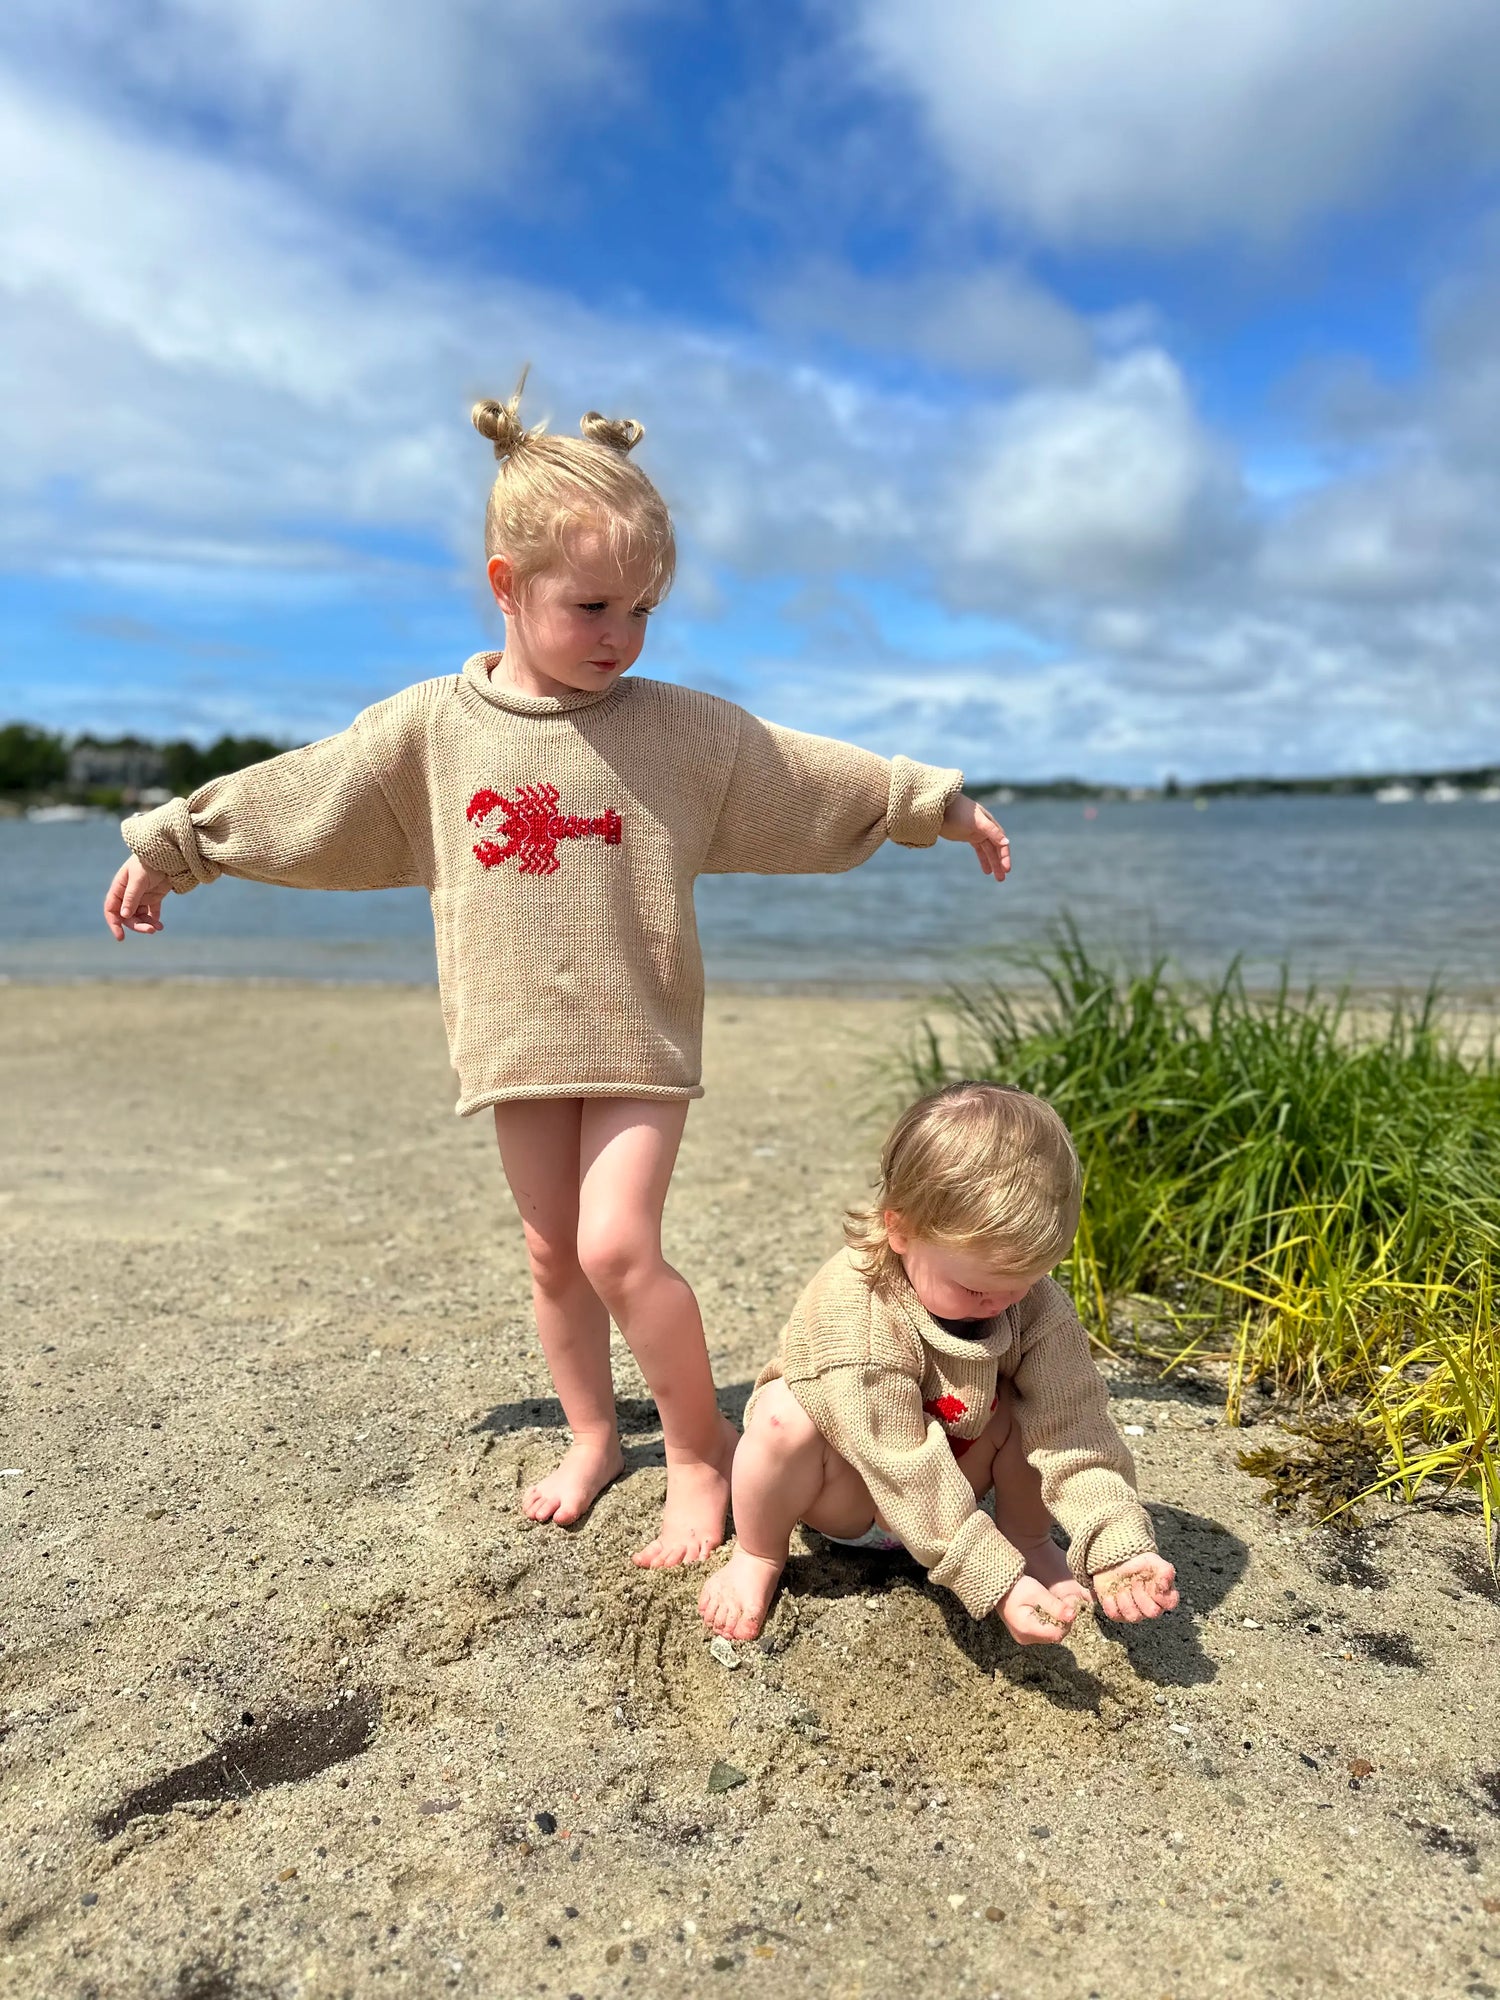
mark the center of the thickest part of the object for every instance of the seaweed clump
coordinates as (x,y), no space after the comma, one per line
(1333,1468)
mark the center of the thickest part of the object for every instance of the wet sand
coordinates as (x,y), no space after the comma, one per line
(294,1703)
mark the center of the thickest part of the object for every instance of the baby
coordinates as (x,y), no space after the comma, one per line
(933,1360)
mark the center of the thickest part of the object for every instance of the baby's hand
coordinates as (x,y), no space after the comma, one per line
(134,899)
(967,820)
(1144,1587)
(1033,1616)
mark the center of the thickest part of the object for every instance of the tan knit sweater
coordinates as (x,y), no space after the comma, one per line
(897,1396)
(558,838)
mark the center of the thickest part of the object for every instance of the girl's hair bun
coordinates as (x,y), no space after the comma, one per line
(621,434)
(500,423)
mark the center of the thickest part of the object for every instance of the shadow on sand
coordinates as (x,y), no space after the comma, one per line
(1209,1560)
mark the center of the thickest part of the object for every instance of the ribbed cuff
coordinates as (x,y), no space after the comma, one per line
(166,840)
(1115,1541)
(988,1571)
(918,799)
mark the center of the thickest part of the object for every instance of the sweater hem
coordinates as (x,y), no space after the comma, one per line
(511,1093)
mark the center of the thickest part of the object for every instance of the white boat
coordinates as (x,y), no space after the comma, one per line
(1394,795)
(1490,795)
(52,815)
(1442,794)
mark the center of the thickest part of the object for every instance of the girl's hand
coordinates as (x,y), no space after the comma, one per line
(1144,1587)
(134,900)
(1033,1616)
(967,820)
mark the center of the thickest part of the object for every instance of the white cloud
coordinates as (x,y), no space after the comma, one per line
(1164,121)
(218,372)
(452,93)
(1412,530)
(996,320)
(227,388)
(1113,483)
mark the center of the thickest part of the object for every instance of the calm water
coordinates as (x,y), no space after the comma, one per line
(1347,889)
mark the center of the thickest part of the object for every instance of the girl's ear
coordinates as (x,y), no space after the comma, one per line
(502,583)
(895,1235)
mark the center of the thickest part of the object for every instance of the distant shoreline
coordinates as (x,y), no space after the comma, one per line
(1481,782)
(1478,785)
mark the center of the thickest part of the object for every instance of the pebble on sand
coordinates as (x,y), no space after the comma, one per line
(724,1777)
(723,1652)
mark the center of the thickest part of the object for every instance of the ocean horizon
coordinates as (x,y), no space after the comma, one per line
(1340,890)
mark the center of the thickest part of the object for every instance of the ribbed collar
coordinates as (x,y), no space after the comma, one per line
(991,1344)
(484,673)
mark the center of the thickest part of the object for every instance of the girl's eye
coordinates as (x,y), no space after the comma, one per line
(643,611)
(593,608)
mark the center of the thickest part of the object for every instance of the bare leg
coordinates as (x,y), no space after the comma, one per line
(628,1149)
(784,1472)
(539,1149)
(1020,1513)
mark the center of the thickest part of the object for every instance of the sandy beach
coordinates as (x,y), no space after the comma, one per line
(294,1703)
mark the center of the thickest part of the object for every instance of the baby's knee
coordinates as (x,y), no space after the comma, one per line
(779,1424)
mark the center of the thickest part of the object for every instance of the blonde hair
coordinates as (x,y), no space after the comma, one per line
(548,486)
(974,1166)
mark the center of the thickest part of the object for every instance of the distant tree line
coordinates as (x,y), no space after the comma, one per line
(31,760)
(186,766)
(39,760)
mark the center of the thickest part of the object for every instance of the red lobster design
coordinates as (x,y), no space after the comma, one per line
(948,1410)
(532,826)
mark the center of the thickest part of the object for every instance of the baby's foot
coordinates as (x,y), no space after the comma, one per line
(566,1494)
(692,1521)
(1046,1562)
(736,1598)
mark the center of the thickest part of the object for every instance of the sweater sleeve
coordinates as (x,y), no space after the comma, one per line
(808,805)
(1087,1474)
(873,1417)
(314,818)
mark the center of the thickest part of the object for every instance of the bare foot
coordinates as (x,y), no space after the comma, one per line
(1046,1562)
(736,1598)
(566,1494)
(692,1521)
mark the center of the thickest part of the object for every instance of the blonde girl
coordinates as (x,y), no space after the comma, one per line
(557,810)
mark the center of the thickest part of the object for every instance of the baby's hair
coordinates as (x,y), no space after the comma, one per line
(981,1167)
(548,487)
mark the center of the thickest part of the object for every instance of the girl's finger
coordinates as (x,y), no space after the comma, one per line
(1118,1602)
(112,904)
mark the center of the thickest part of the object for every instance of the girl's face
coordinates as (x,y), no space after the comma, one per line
(580,624)
(955,1284)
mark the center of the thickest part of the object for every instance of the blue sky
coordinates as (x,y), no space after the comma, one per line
(1044,385)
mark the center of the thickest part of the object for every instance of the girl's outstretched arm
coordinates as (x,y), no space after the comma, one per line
(797,804)
(315,818)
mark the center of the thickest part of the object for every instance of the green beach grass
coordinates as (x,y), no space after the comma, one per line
(1306,1187)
